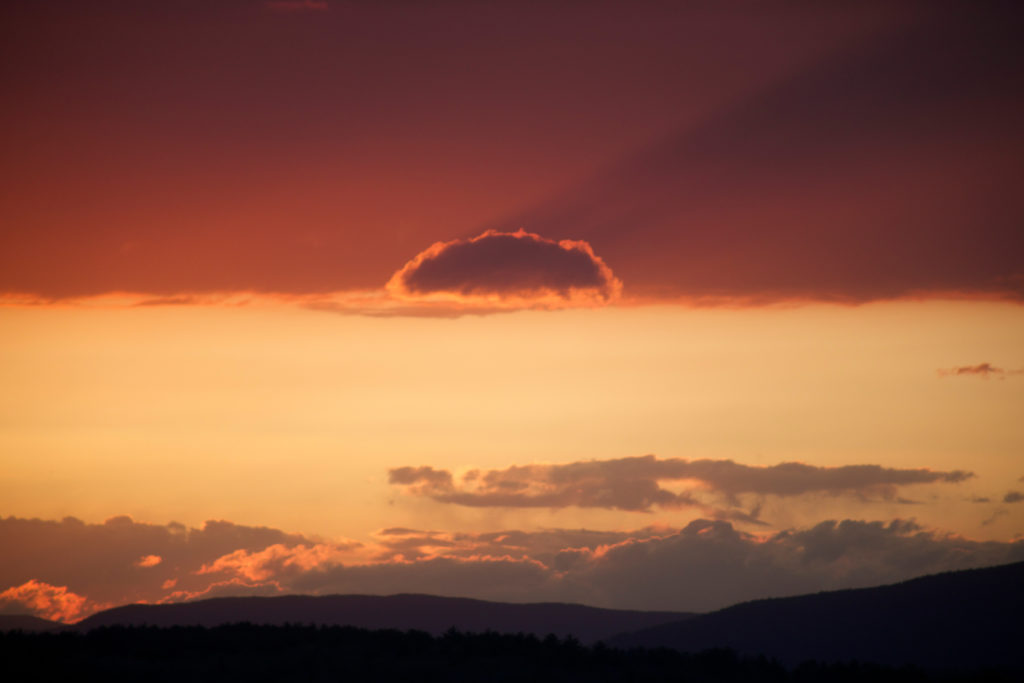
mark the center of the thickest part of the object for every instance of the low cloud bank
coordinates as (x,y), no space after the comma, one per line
(706,565)
(74,568)
(49,564)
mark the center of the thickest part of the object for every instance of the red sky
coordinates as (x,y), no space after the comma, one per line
(848,150)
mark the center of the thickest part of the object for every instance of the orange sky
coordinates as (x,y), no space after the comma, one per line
(518,301)
(286,417)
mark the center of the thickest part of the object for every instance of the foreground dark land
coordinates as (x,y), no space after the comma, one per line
(333,653)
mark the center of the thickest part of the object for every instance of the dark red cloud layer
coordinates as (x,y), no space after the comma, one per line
(705,565)
(519,265)
(635,483)
(846,151)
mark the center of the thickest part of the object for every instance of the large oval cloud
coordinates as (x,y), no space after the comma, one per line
(514,268)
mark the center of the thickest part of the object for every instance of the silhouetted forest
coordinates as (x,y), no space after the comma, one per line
(335,653)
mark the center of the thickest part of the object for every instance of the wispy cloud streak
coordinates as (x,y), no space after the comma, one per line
(983,370)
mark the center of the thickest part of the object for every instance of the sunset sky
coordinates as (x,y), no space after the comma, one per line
(644,305)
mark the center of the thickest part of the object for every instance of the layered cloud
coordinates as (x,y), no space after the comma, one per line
(637,483)
(513,269)
(705,565)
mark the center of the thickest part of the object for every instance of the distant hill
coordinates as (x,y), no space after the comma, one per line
(972,618)
(27,623)
(428,613)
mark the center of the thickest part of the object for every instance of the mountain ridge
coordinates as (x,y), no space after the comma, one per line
(959,619)
(404,611)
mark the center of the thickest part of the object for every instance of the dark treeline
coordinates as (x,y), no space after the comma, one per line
(334,653)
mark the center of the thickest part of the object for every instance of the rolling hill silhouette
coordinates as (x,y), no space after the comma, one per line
(964,619)
(967,619)
(27,623)
(428,613)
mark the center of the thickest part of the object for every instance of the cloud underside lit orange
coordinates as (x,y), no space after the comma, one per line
(41,599)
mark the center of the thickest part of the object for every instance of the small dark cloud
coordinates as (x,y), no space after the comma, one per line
(397,531)
(634,483)
(518,267)
(984,370)
(426,477)
(981,499)
(1013,497)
